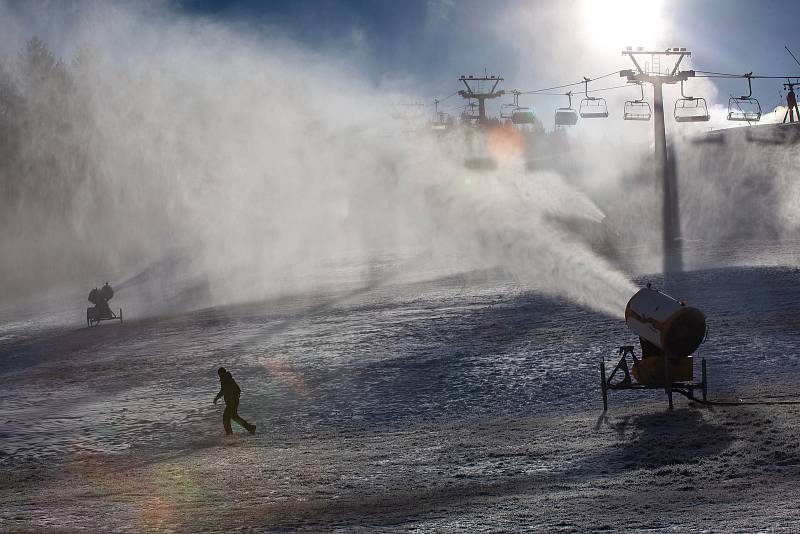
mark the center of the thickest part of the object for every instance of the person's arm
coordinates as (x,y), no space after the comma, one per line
(218,396)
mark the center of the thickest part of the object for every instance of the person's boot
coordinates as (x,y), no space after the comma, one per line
(252,429)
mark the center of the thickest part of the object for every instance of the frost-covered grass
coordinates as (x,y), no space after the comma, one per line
(436,406)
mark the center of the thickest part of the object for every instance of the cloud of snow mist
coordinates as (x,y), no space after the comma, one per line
(253,167)
(740,190)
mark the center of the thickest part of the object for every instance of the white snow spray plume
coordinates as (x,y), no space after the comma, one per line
(252,165)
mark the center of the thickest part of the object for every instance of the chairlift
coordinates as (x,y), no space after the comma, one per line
(507,110)
(690,108)
(471,112)
(637,110)
(519,114)
(443,121)
(592,107)
(744,108)
(566,116)
(523,116)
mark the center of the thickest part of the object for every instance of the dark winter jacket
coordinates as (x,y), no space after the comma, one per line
(229,388)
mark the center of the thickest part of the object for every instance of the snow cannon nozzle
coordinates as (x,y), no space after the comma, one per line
(674,327)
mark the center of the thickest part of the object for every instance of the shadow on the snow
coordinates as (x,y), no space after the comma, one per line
(659,439)
(473,356)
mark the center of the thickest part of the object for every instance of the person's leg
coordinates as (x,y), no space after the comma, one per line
(236,417)
(226,418)
(244,424)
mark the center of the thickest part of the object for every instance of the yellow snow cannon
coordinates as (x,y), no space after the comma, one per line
(669,331)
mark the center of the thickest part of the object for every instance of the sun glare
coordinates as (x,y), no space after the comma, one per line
(619,23)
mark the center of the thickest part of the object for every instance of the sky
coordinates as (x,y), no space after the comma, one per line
(420,47)
(434,41)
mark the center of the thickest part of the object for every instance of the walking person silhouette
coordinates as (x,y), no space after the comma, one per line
(791,103)
(230,391)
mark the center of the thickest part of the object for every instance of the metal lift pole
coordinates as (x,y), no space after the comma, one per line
(660,137)
(664,173)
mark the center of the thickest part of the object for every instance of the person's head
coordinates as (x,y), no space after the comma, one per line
(221,371)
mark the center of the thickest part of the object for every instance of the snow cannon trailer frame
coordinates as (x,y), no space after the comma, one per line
(94,316)
(624,376)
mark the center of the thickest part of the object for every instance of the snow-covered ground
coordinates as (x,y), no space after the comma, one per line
(466,403)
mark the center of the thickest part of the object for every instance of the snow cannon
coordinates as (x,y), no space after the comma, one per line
(673,326)
(669,331)
(101,311)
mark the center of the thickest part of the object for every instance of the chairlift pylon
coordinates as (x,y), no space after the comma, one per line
(637,110)
(566,116)
(592,107)
(744,108)
(690,108)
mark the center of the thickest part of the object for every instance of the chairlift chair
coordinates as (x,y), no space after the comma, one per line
(470,113)
(592,107)
(442,122)
(506,110)
(523,116)
(566,116)
(690,108)
(744,108)
(637,110)
(517,113)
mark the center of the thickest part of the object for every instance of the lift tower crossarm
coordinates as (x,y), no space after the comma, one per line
(681,76)
(680,52)
(481,97)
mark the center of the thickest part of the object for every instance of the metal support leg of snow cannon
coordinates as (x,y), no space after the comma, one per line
(603,386)
(704,381)
(622,365)
(625,382)
(668,379)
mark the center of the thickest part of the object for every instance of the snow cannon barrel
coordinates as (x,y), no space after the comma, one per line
(106,292)
(670,324)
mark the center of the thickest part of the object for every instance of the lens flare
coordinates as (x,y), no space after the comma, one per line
(285,374)
(505,142)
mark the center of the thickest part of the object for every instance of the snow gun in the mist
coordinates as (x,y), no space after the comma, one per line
(101,311)
(669,331)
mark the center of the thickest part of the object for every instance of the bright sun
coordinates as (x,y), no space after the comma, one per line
(620,23)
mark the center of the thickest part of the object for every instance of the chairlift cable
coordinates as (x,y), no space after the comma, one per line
(447,97)
(537,91)
(611,88)
(565,94)
(707,74)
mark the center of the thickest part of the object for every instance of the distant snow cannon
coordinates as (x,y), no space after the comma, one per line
(669,331)
(101,311)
